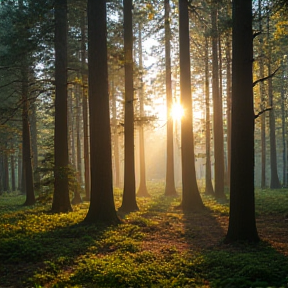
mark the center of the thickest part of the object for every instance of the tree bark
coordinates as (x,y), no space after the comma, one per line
(142,190)
(61,201)
(129,196)
(102,207)
(208,179)
(242,224)
(191,200)
(170,189)
(217,112)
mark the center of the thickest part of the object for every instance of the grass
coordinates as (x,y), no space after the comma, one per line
(157,246)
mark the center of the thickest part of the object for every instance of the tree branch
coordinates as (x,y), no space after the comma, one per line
(265,78)
(261,112)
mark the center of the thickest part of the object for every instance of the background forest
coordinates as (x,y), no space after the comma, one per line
(117,135)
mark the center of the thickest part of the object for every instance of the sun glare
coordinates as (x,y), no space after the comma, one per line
(177,111)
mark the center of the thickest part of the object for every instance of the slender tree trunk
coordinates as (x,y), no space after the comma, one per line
(242,224)
(6,186)
(33,121)
(85,110)
(12,164)
(142,190)
(115,133)
(191,199)
(274,181)
(283,116)
(217,112)
(208,179)
(262,96)
(61,201)
(228,75)
(129,196)
(170,178)
(20,170)
(102,207)
(27,163)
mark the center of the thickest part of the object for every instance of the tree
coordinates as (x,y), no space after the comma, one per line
(102,207)
(170,180)
(191,199)
(217,111)
(242,224)
(129,196)
(208,179)
(61,201)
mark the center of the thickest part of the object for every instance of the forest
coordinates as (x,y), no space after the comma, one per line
(143,143)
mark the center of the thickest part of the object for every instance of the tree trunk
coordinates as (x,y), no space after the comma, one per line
(129,196)
(61,201)
(191,199)
(12,164)
(283,117)
(33,122)
(170,179)
(6,187)
(19,170)
(262,106)
(142,190)
(102,207)
(26,135)
(242,224)
(228,75)
(85,110)
(208,179)
(217,112)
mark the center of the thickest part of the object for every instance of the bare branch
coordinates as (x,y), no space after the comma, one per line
(265,78)
(261,112)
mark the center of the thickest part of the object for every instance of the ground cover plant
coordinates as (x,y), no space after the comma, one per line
(158,246)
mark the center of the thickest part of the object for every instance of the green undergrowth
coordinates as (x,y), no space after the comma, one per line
(157,246)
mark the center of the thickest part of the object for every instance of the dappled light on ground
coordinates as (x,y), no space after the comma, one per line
(158,246)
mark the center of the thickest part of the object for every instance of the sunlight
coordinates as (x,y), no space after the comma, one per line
(177,111)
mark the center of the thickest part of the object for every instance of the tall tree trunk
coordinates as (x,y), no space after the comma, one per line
(208,179)
(142,190)
(129,196)
(191,199)
(228,75)
(217,112)
(19,170)
(242,224)
(283,117)
(115,134)
(262,96)
(274,181)
(27,163)
(6,186)
(33,121)
(61,201)
(12,164)
(170,178)
(102,207)
(85,109)
(77,186)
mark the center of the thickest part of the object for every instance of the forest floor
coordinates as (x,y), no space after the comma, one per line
(157,246)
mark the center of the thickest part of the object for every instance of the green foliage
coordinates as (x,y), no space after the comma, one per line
(157,246)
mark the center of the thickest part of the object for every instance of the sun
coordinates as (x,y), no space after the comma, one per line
(177,111)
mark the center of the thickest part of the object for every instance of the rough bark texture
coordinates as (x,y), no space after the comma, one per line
(217,112)
(102,207)
(129,195)
(242,226)
(170,179)
(208,179)
(61,201)
(191,199)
